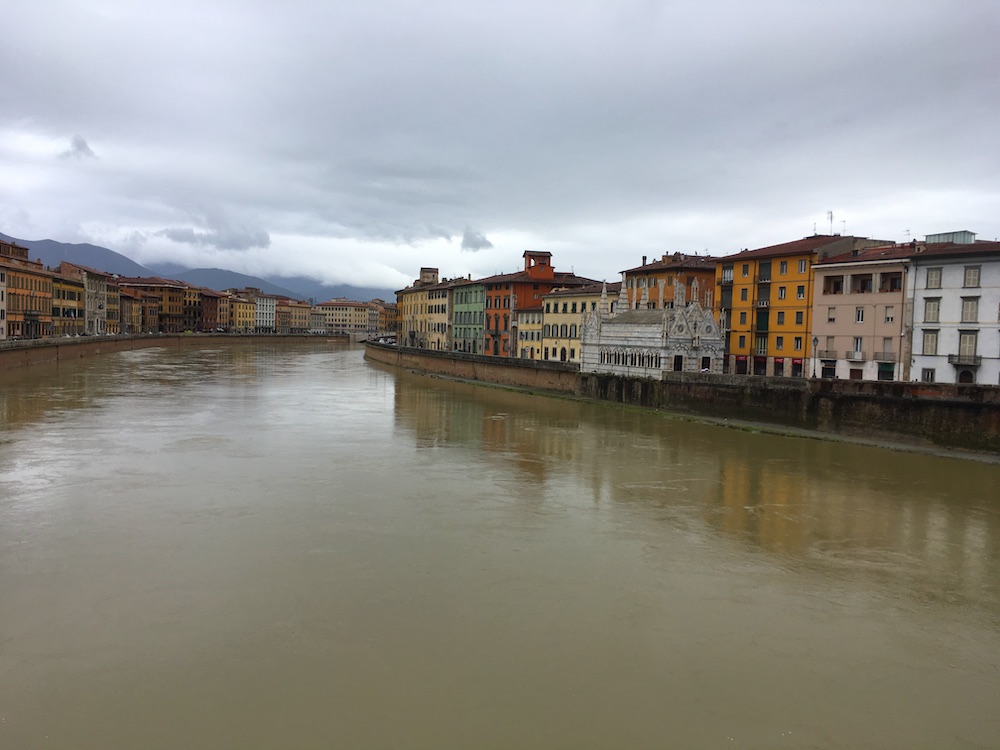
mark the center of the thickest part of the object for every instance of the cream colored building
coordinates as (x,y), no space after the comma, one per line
(563,315)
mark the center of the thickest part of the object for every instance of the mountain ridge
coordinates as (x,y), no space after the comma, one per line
(52,252)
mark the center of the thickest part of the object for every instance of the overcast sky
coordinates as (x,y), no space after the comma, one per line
(358,141)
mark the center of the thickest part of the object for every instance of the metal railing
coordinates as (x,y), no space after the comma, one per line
(973,360)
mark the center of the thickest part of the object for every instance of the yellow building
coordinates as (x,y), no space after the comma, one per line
(242,315)
(114,326)
(68,296)
(529,332)
(28,293)
(563,311)
(344,316)
(764,301)
(414,322)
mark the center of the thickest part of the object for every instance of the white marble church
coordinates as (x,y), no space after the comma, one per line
(646,343)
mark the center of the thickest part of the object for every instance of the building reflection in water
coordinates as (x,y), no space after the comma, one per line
(919,524)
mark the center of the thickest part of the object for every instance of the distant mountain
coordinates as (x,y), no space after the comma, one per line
(314,290)
(219,279)
(51,253)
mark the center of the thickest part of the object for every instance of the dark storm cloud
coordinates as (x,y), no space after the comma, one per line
(472,240)
(78,149)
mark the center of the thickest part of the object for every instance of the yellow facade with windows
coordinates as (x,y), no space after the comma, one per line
(765,300)
(562,319)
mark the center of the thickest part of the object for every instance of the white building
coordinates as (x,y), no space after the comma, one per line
(954,310)
(646,343)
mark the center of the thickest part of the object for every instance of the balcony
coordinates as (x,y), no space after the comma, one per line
(826,353)
(763,279)
(885,356)
(966,360)
(855,356)
(763,303)
(726,280)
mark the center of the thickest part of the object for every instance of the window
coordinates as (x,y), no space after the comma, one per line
(779,343)
(800,291)
(930,342)
(565,307)
(783,267)
(967,343)
(781,292)
(743,342)
(859,315)
(798,343)
(970,309)
(547,306)
(746,270)
(927,375)
(890,313)
(743,295)
(971,276)
(743,318)
(858,344)
(802,266)
(799,317)
(572,307)
(831,315)
(933,278)
(932,309)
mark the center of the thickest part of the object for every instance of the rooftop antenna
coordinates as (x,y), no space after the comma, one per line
(829,215)
(814,227)
(843,226)
(907,233)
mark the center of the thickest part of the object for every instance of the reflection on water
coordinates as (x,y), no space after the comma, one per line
(287,547)
(925,524)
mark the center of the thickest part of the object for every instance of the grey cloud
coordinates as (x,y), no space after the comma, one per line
(78,149)
(226,238)
(472,240)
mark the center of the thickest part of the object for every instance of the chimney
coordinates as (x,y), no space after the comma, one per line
(643,260)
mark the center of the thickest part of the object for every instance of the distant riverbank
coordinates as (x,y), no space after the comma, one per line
(16,354)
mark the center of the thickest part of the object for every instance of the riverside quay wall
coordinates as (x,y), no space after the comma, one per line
(928,414)
(15,354)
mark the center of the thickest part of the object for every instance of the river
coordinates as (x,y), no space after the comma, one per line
(284,546)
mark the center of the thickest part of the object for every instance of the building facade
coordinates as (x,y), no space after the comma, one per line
(858,315)
(955,306)
(765,303)
(651,285)
(649,342)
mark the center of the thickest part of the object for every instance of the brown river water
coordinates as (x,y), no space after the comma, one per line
(287,547)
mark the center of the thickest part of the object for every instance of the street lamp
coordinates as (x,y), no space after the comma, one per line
(815,344)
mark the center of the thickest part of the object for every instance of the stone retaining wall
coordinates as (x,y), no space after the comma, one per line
(947,416)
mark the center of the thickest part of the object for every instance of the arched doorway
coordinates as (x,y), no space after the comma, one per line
(966,376)
(562,354)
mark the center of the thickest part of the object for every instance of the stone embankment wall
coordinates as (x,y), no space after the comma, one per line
(532,374)
(947,416)
(25,353)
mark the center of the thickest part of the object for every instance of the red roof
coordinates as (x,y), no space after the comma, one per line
(797,247)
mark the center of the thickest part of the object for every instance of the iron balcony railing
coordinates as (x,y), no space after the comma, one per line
(826,353)
(885,356)
(973,360)
(855,355)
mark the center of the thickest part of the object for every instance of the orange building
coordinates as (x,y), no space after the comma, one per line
(508,293)
(645,284)
(765,301)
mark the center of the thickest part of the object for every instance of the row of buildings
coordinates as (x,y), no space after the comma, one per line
(38,302)
(823,306)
